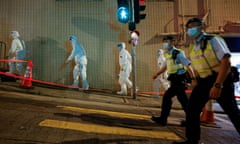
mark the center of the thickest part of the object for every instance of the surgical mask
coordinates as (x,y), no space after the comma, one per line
(193,32)
(166,45)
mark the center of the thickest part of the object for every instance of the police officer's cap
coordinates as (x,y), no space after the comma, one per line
(195,20)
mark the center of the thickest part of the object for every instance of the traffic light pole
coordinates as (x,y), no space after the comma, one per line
(134,91)
(133,50)
(131,3)
(131,24)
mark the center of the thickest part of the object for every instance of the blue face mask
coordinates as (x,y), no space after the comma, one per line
(166,45)
(193,32)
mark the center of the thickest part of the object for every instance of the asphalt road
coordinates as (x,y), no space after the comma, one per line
(36,119)
(30,119)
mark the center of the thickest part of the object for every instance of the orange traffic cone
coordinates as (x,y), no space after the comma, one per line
(207,115)
(27,80)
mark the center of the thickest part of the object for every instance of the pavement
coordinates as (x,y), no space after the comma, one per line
(106,96)
(209,134)
(98,95)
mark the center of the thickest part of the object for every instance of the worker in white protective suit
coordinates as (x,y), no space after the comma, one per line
(161,81)
(80,69)
(125,62)
(16,52)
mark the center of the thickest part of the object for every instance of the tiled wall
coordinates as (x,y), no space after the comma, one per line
(46,25)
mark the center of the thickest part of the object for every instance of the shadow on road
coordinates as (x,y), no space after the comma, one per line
(107,120)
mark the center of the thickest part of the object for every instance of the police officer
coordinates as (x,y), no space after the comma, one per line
(175,63)
(210,57)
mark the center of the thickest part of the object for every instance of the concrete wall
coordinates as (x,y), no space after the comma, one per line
(46,25)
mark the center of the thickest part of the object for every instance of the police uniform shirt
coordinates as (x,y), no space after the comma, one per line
(181,58)
(218,44)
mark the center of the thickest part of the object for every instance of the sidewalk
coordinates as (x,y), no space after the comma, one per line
(89,95)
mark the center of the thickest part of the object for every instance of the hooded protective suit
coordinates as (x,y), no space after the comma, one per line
(16,52)
(161,80)
(80,69)
(125,69)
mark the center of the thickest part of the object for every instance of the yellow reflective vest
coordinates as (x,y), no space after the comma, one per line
(172,66)
(204,61)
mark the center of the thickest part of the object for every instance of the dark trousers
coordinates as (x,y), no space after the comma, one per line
(198,99)
(177,88)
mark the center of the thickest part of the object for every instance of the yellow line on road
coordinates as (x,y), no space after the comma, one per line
(110,113)
(93,128)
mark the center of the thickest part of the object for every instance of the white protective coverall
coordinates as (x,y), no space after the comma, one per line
(125,62)
(161,80)
(16,52)
(80,69)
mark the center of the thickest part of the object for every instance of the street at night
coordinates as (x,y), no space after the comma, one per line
(38,119)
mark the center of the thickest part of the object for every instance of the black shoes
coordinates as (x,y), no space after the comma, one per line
(159,121)
(162,122)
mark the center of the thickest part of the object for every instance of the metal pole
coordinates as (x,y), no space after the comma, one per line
(134,94)
(132,19)
(133,53)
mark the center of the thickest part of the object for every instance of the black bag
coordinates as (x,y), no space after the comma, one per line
(186,77)
(234,73)
(174,55)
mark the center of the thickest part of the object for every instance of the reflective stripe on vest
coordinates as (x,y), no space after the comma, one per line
(204,66)
(172,66)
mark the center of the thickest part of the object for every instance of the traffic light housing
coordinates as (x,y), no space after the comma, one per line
(131,26)
(139,6)
(123,13)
